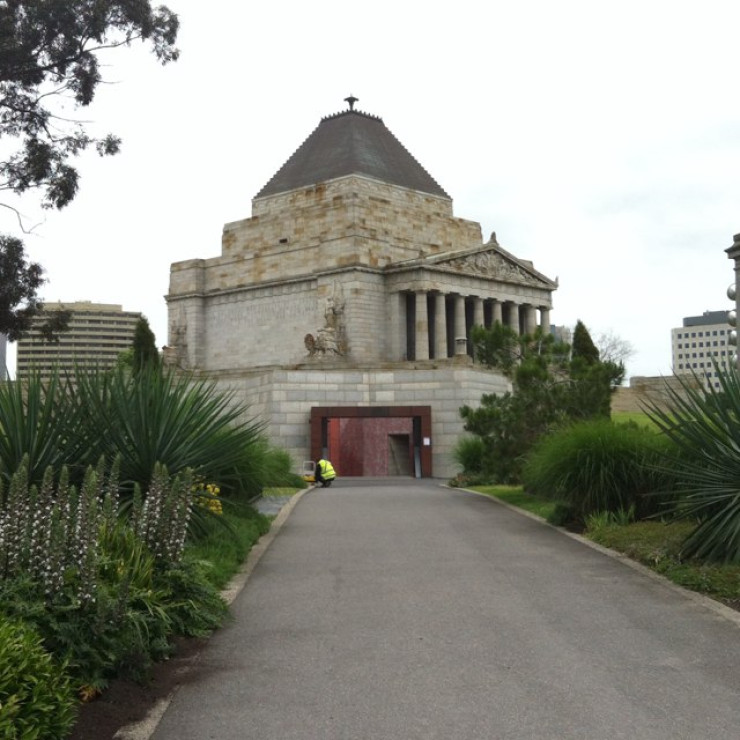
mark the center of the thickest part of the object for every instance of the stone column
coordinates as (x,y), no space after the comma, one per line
(396,308)
(530,318)
(513,322)
(545,319)
(496,313)
(478,319)
(461,336)
(421,345)
(440,326)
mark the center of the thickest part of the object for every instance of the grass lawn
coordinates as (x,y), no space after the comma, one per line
(231,536)
(516,496)
(622,417)
(653,544)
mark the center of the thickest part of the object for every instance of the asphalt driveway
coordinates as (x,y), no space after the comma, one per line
(404,609)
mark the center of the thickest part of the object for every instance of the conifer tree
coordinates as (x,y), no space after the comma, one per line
(144,348)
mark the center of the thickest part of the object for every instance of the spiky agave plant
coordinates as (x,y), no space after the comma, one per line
(704,423)
(173,419)
(37,423)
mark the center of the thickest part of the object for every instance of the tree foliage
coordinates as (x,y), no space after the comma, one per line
(583,346)
(49,61)
(144,348)
(549,387)
(19,283)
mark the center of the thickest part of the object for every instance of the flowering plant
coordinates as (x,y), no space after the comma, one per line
(207,496)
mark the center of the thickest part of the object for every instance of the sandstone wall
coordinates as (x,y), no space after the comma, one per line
(284,398)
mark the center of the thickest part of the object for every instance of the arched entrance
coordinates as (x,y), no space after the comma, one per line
(374,440)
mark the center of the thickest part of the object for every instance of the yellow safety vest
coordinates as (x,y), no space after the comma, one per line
(327,470)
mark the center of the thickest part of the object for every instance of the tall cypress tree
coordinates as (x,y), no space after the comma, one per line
(583,345)
(145,350)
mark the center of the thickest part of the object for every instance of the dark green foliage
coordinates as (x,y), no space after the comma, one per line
(548,390)
(704,424)
(49,62)
(598,466)
(594,380)
(152,417)
(277,469)
(583,347)
(145,352)
(50,53)
(469,454)
(193,605)
(509,423)
(19,284)
(173,419)
(37,423)
(37,700)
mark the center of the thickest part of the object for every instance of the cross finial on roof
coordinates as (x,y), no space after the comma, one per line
(351,100)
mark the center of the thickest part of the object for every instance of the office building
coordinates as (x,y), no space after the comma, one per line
(701,342)
(97,334)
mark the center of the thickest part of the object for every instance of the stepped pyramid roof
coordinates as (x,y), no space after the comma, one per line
(351,143)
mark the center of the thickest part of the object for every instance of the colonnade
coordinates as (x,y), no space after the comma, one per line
(438,324)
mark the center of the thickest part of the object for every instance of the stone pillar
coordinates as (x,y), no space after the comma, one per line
(478,319)
(421,345)
(461,347)
(513,322)
(545,319)
(496,313)
(440,326)
(530,318)
(397,324)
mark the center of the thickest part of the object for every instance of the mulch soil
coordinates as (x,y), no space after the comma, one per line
(126,702)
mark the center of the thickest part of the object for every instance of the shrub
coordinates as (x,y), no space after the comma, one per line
(37,699)
(469,453)
(598,466)
(704,424)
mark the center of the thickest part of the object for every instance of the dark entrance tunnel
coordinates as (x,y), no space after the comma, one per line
(374,441)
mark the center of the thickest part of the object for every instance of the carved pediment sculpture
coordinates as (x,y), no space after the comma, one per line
(497,264)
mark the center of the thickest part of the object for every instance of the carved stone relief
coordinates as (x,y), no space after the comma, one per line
(492,265)
(330,338)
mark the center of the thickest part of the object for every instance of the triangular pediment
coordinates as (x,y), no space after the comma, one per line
(492,262)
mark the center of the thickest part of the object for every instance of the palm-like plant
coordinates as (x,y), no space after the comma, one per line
(35,421)
(705,426)
(170,418)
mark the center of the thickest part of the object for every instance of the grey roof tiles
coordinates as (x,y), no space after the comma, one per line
(351,143)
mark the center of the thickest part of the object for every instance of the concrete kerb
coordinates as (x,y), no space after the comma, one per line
(718,608)
(145,729)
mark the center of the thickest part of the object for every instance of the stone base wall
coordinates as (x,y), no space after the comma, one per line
(644,390)
(283,398)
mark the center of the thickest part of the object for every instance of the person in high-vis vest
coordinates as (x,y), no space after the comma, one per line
(325,473)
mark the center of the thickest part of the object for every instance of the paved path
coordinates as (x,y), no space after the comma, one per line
(408,610)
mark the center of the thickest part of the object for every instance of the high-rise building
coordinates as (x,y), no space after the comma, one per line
(701,342)
(97,334)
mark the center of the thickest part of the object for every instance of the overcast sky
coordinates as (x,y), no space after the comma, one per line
(599,140)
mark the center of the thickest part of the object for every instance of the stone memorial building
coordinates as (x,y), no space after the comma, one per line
(340,310)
